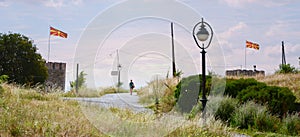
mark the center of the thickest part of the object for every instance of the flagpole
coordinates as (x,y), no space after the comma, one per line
(49,47)
(246,57)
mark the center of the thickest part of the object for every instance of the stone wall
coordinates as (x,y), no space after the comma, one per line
(239,72)
(56,74)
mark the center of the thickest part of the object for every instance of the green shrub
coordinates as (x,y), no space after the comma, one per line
(226,109)
(265,121)
(243,117)
(233,86)
(254,116)
(291,125)
(3,78)
(278,99)
(191,83)
(287,68)
(187,92)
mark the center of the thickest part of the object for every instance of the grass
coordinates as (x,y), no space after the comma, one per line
(159,95)
(148,125)
(25,112)
(32,112)
(248,118)
(87,92)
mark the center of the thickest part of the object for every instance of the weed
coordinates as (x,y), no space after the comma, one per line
(291,125)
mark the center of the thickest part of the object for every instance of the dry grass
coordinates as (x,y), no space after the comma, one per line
(160,91)
(25,112)
(87,92)
(123,122)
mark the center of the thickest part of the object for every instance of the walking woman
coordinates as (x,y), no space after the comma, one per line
(131,86)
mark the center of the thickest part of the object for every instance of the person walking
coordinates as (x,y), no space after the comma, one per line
(131,86)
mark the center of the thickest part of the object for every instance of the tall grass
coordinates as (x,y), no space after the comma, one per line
(291,125)
(26,112)
(88,92)
(159,95)
(255,117)
(226,109)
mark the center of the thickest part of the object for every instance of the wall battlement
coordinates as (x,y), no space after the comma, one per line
(56,74)
(239,72)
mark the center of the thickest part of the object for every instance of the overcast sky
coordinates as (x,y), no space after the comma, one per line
(266,22)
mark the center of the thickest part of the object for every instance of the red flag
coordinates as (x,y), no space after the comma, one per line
(252,45)
(56,32)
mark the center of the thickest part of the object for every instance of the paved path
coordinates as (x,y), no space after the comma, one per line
(118,100)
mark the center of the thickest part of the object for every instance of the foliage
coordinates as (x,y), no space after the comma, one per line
(287,68)
(159,95)
(291,125)
(111,90)
(234,86)
(227,107)
(20,61)
(292,81)
(196,131)
(3,78)
(81,81)
(178,73)
(252,115)
(278,99)
(187,91)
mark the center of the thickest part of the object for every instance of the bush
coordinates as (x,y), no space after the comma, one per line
(233,86)
(243,117)
(278,99)
(286,68)
(265,121)
(3,78)
(187,92)
(226,109)
(191,83)
(252,115)
(291,125)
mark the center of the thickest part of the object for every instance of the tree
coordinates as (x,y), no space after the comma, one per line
(81,80)
(20,61)
(286,68)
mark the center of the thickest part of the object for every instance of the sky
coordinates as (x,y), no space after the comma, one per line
(138,31)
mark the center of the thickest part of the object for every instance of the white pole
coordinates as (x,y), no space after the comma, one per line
(49,47)
(245,57)
(119,67)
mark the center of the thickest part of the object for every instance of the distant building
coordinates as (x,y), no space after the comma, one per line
(247,73)
(56,74)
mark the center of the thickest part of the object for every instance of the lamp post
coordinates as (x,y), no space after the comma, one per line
(203,35)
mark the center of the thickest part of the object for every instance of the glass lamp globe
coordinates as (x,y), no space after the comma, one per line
(202,34)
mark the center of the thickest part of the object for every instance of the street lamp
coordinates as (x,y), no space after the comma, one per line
(202,35)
